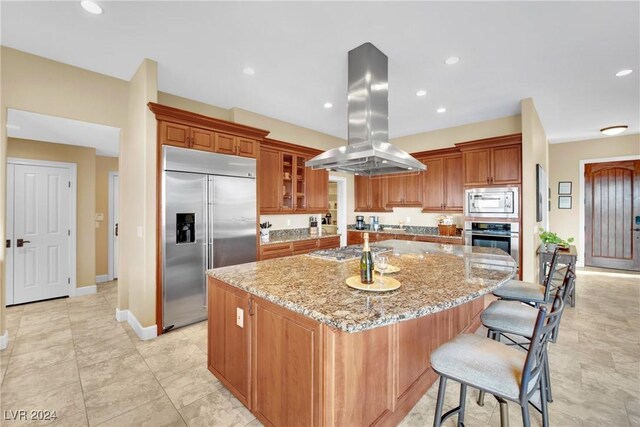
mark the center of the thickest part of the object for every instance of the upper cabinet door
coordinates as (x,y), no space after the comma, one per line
(506,165)
(433,181)
(202,139)
(317,190)
(395,190)
(453,188)
(378,194)
(476,167)
(174,134)
(412,189)
(246,147)
(269,181)
(225,144)
(362,188)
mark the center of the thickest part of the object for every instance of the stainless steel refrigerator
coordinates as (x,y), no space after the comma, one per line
(209,220)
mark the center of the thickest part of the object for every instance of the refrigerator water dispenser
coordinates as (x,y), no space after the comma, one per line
(185,228)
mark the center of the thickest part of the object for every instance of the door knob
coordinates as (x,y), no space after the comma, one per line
(20,242)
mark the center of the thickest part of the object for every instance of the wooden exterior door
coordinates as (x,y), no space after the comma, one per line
(612,199)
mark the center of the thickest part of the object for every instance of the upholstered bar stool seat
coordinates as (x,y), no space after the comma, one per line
(511,316)
(522,291)
(482,363)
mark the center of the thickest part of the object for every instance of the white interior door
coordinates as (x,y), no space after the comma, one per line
(116,210)
(41,233)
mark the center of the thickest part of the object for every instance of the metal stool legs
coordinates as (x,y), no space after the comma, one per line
(438,418)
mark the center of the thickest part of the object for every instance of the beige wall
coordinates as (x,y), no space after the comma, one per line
(564,165)
(193,106)
(36,84)
(104,165)
(443,138)
(85,158)
(137,168)
(535,150)
(287,132)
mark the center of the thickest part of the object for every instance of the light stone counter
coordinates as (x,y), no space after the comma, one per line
(434,277)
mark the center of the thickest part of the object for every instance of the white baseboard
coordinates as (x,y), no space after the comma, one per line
(102,278)
(143,333)
(4,340)
(121,315)
(86,290)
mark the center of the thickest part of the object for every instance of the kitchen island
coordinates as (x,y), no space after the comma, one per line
(299,347)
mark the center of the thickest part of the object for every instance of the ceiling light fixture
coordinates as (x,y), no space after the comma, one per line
(614,130)
(328,105)
(91,7)
(421,92)
(248,71)
(441,110)
(622,73)
(452,60)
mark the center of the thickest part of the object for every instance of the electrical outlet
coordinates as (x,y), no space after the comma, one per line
(288,222)
(408,220)
(240,317)
(139,231)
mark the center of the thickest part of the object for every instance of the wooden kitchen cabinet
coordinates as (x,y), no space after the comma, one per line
(269,180)
(279,250)
(304,246)
(404,190)
(229,345)
(492,161)
(317,190)
(287,350)
(370,194)
(329,242)
(173,134)
(442,181)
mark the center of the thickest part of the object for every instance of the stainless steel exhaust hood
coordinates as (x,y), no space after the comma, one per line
(368,151)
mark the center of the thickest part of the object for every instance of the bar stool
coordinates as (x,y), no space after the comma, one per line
(508,374)
(514,318)
(529,293)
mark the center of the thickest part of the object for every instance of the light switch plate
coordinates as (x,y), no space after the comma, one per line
(99,217)
(139,231)
(240,317)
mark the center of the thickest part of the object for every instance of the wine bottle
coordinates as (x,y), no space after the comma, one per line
(366,262)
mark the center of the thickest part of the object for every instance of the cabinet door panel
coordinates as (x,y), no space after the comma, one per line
(317,190)
(269,181)
(476,167)
(412,189)
(395,187)
(433,185)
(225,144)
(247,147)
(287,358)
(236,344)
(354,238)
(329,242)
(453,187)
(506,165)
(202,139)
(378,194)
(362,188)
(174,134)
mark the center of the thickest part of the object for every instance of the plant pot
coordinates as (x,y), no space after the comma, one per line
(264,235)
(551,246)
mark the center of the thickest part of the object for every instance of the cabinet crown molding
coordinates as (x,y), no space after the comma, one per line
(495,141)
(441,152)
(290,147)
(176,115)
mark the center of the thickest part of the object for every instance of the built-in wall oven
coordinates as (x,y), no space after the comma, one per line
(501,235)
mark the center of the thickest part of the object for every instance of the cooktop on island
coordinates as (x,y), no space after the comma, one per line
(347,253)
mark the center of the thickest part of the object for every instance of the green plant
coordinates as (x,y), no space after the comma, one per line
(551,237)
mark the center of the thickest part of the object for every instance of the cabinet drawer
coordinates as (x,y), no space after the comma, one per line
(305,246)
(276,250)
(329,242)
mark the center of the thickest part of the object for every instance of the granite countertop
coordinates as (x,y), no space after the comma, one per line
(296,238)
(426,231)
(434,277)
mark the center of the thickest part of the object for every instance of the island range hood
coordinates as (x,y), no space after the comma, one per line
(368,151)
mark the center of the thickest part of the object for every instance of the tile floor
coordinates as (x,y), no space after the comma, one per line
(70,355)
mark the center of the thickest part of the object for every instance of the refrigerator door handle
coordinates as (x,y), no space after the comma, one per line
(210,198)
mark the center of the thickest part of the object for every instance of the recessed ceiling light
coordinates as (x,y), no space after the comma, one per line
(409,168)
(623,73)
(248,71)
(328,105)
(421,92)
(452,60)
(441,110)
(614,130)
(384,162)
(91,7)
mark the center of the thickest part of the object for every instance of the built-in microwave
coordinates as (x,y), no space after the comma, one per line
(494,202)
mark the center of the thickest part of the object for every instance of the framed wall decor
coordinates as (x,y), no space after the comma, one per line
(564,188)
(564,202)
